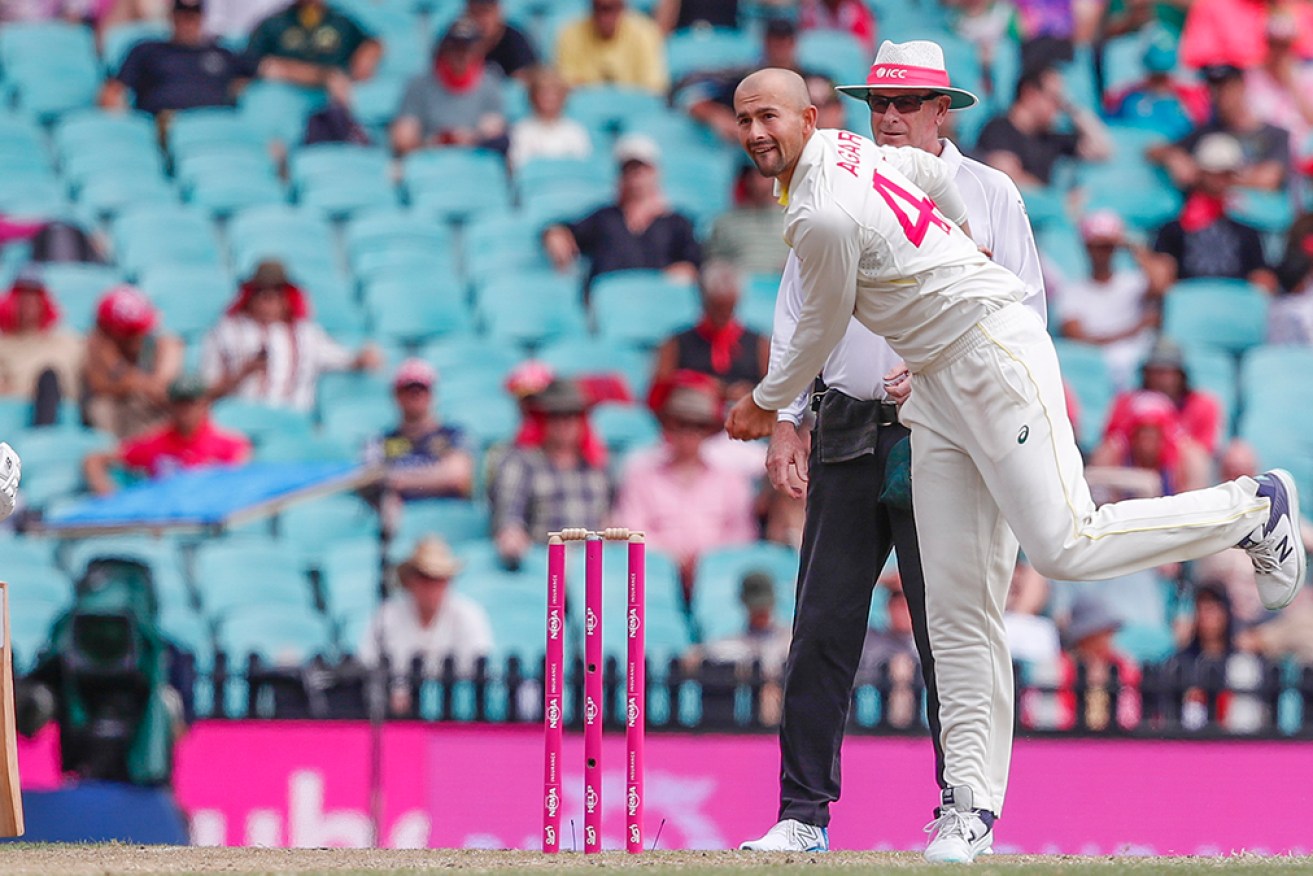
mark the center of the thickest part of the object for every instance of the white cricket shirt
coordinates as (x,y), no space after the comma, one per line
(872,244)
(998,220)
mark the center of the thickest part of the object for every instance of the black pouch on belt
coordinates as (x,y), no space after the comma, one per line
(846,427)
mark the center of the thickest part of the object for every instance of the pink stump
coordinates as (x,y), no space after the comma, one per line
(593,694)
(636,694)
(553,689)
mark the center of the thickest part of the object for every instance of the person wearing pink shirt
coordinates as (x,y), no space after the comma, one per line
(1235,31)
(686,502)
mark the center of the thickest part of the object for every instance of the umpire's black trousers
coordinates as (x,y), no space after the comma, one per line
(846,541)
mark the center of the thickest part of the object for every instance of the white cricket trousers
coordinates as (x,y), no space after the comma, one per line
(993,449)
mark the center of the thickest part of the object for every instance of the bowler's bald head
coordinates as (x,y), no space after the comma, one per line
(775,85)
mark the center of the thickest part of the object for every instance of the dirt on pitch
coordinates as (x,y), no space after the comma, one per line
(102,860)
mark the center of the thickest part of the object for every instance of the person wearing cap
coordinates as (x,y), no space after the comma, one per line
(504,45)
(764,640)
(882,234)
(1026,141)
(39,359)
(426,620)
(1165,373)
(852,17)
(640,230)
(1116,307)
(457,102)
(1204,241)
(1089,647)
(857,439)
(425,458)
(267,348)
(686,502)
(613,45)
(551,485)
(129,364)
(1161,101)
(309,42)
(190,69)
(546,132)
(1151,442)
(188,439)
(1265,150)
(719,345)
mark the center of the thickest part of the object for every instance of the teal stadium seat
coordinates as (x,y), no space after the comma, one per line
(1085,372)
(495,419)
(342,179)
(85,166)
(50,67)
(455,184)
(248,570)
(349,577)
(258,421)
(625,427)
(148,236)
(375,101)
(610,106)
(1145,643)
(95,130)
(1276,377)
(1128,185)
(279,635)
(353,421)
(30,621)
(77,287)
(577,357)
(531,307)
(1228,314)
(300,238)
(457,353)
(690,51)
(1215,371)
(311,528)
(211,129)
(278,110)
(641,307)
(302,448)
(394,232)
(414,312)
(837,54)
(192,299)
(110,193)
(460,522)
(716,609)
(492,244)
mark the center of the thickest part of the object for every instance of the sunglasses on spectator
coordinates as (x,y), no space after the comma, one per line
(906,104)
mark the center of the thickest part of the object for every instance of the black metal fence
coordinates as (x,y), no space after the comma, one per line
(1242,696)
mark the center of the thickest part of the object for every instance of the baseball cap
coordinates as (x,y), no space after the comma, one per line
(1160,52)
(462,32)
(1218,153)
(1215,74)
(415,372)
(637,147)
(690,404)
(269,274)
(757,590)
(561,396)
(123,310)
(1101,225)
(1090,615)
(186,388)
(1166,353)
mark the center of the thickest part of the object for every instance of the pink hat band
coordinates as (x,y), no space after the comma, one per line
(903,75)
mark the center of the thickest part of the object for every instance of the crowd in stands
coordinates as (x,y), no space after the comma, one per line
(509,251)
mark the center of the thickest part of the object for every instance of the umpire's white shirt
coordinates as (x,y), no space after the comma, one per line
(998,220)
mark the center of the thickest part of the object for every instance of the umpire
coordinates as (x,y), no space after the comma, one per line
(856,473)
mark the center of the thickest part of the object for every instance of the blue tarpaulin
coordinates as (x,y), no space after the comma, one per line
(204,497)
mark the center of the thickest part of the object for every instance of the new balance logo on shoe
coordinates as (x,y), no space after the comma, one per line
(1276,548)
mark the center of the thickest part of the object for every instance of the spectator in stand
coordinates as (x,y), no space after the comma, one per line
(708,95)
(1291,318)
(640,230)
(847,16)
(552,484)
(503,44)
(1264,161)
(1032,635)
(719,345)
(830,111)
(1234,31)
(546,132)
(749,234)
(456,103)
(188,439)
(1161,101)
(613,46)
(1211,656)
(1050,30)
(266,348)
(764,639)
(685,501)
(427,621)
(1204,241)
(1026,141)
(310,42)
(1115,309)
(1090,647)
(425,459)
(1280,90)
(1165,373)
(985,24)
(39,360)
(129,365)
(1288,636)
(187,70)
(1148,454)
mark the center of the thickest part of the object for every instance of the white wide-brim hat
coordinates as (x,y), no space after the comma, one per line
(916,65)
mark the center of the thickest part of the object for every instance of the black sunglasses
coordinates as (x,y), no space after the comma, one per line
(906,104)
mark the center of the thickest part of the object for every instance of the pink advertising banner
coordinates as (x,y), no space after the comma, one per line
(307,784)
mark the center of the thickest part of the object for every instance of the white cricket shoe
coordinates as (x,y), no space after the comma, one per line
(960,836)
(791,836)
(1276,548)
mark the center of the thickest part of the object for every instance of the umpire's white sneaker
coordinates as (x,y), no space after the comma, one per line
(1276,548)
(791,836)
(960,835)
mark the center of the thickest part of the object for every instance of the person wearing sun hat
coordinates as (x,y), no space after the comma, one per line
(129,364)
(426,620)
(859,446)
